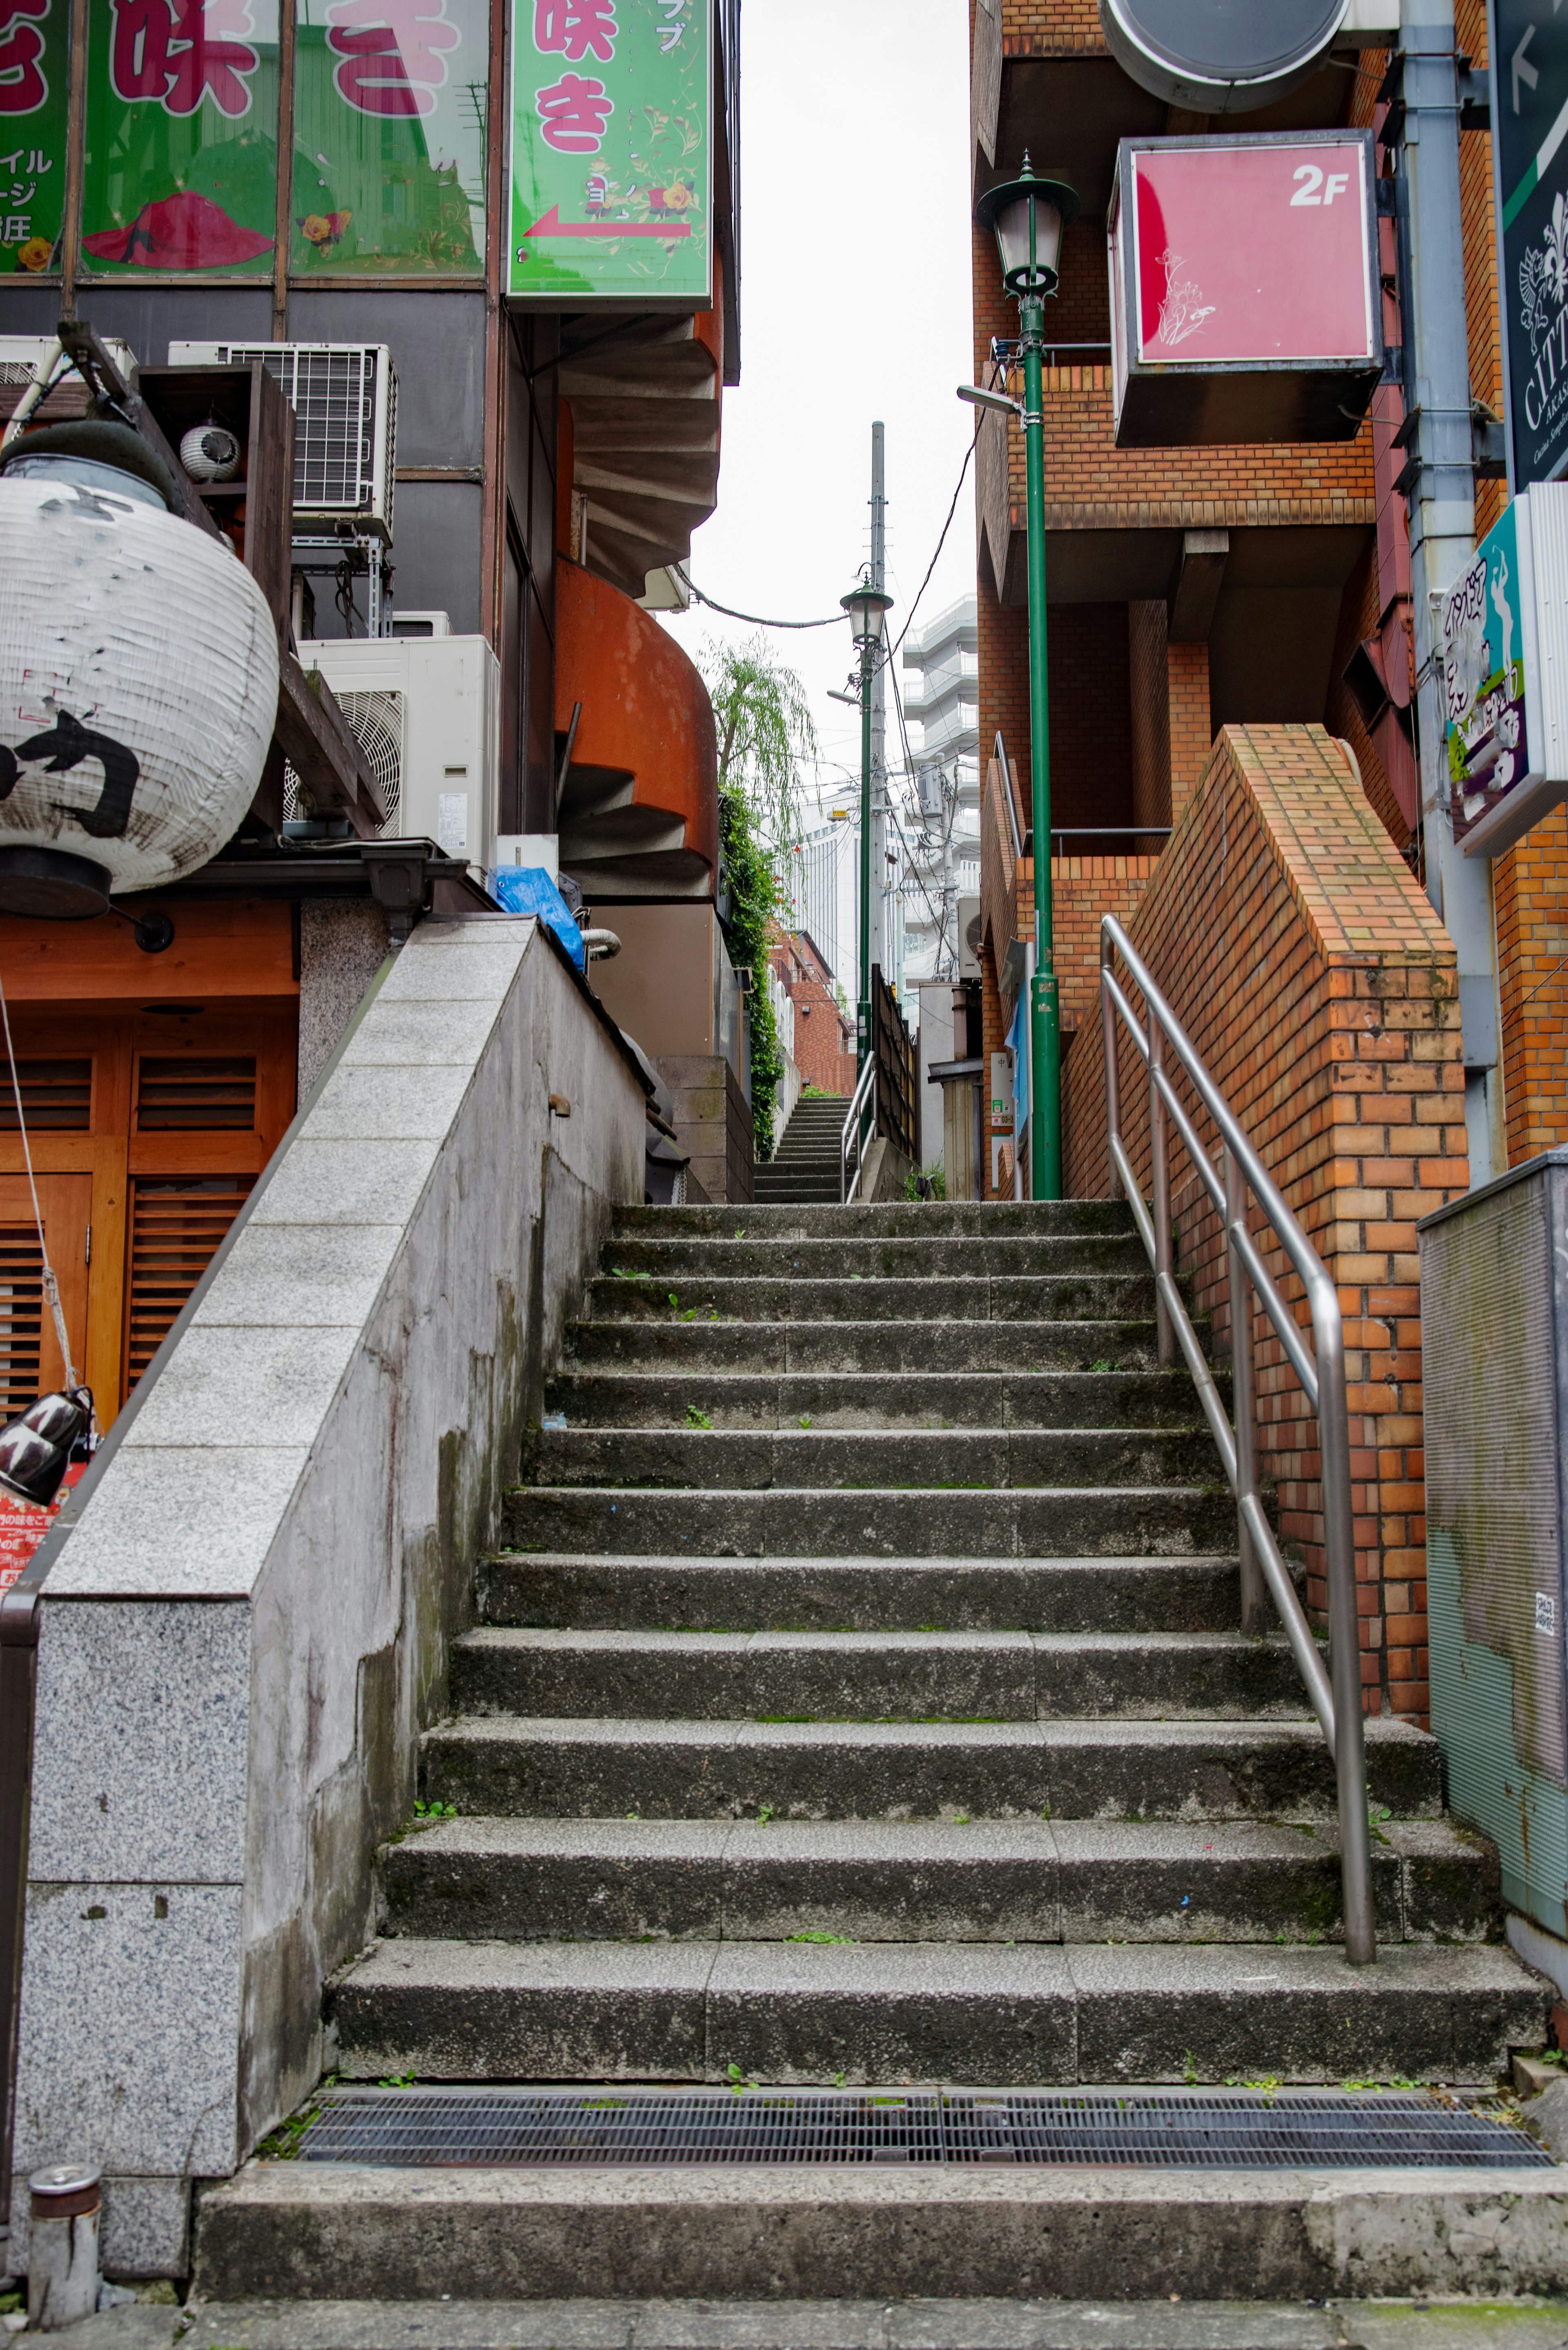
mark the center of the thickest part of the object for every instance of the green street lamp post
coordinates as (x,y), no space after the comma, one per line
(1028,215)
(867,608)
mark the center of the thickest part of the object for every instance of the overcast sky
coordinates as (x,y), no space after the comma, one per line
(855,305)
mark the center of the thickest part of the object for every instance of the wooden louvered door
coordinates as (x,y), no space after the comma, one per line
(176,1224)
(30,1361)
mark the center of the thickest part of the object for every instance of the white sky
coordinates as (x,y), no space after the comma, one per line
(855,292)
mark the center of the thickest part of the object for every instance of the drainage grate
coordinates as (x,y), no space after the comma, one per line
(1290,2129)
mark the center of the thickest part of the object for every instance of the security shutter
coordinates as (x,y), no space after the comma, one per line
(176,1224)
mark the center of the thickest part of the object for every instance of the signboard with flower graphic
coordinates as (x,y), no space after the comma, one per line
(1530,161)
(387,148)
(34,45)
(612,178)
(1505,675)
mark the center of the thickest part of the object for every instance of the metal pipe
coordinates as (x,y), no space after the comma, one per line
(1336,1696)
(1253,1593)
(19,1619)
(1113,1068)
(1159,1152)
(1046,1021)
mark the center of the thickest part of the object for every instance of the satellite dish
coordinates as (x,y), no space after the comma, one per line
(1221,57)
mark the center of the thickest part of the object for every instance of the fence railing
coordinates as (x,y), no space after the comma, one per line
(1335,1694)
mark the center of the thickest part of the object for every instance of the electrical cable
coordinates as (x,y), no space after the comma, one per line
(752,619)
(51,1286)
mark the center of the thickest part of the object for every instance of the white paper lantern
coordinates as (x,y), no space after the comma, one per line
(138,693)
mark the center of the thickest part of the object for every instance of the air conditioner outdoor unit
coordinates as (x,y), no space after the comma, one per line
(969,929)
(345,401)
(426,711)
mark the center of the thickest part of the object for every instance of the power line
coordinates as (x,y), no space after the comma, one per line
(752,619)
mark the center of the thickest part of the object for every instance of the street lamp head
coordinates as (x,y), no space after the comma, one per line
(867,608)
(1027,216)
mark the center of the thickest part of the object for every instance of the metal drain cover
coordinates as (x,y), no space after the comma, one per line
(1235,2129)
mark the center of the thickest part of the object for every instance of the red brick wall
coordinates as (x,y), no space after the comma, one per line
(1318,985)
(1191,726)
(1150,692)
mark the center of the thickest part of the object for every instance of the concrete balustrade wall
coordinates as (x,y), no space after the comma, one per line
(248,1616)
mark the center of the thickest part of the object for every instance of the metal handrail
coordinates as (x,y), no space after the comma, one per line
(848,1184)
(999,753)
(1336,1695)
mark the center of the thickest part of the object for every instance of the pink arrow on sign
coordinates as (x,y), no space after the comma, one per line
(550,224)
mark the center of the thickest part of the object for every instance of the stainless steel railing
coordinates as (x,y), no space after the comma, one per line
(1334,1695)
(859,1132)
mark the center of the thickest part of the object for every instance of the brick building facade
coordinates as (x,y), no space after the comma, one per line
(1164,740)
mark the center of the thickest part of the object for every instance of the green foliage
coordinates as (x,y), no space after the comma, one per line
(766,736)
(936,1177)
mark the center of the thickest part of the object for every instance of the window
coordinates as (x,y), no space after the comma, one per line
(56,1097)
(21,1317)
(196,1095)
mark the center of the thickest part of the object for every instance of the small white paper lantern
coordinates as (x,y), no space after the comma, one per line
(138,693)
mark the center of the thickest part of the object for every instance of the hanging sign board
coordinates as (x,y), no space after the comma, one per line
(1504,639)
(612,157)
(1245,300)
(23,1526)
(1529,50)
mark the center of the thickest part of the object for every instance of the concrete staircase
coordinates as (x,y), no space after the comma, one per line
(859,1697)
(804,1171)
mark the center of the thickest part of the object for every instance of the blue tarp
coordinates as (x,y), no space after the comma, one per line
(529,889)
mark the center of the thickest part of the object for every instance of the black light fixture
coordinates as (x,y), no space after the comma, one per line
(37,1450)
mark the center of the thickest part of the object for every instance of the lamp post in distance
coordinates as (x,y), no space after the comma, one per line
(1027,216)
(867,608)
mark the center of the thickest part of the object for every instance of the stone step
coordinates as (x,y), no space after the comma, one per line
(662,2240)
(1030,2014)
(553,1767)
(741,1254)
(1019,1297)
(899,1346)
(888,1219)
(924,1881)
(874,1675)
(875,1459)
(556,1589)
(931,2325)
(1112,1521)
(666,1397)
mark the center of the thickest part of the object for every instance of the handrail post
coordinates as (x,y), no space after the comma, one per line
(1159,1152)
(1254,1591)
(1113,1066)
(1344,1629)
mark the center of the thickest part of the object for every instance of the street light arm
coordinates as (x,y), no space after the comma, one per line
(977,398)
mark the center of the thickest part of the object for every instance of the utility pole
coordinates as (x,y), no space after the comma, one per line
(880,940)
(1442,520)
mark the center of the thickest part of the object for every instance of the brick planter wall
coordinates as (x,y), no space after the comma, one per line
(1318,987)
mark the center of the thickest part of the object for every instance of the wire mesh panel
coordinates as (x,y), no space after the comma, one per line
(1287,2129)
(1290,2129)
(461,2127)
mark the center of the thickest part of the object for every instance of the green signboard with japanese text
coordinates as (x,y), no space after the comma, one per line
(34,45)
(388,148)
(611,152)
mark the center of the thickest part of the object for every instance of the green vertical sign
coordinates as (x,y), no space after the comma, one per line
(34,51)
(612,178)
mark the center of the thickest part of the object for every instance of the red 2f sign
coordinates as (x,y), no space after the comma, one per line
(1244,255)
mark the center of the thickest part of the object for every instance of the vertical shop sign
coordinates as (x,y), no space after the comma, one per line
(181,153)
(611,169)
(391,114)
(1530,164)
(34,66)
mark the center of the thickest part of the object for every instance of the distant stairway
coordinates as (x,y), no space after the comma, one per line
(804,1172)
(860,1698)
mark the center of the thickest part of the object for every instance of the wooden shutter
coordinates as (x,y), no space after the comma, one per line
(190,1096)
(21,1317)
(176,1224)
(56,1097)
